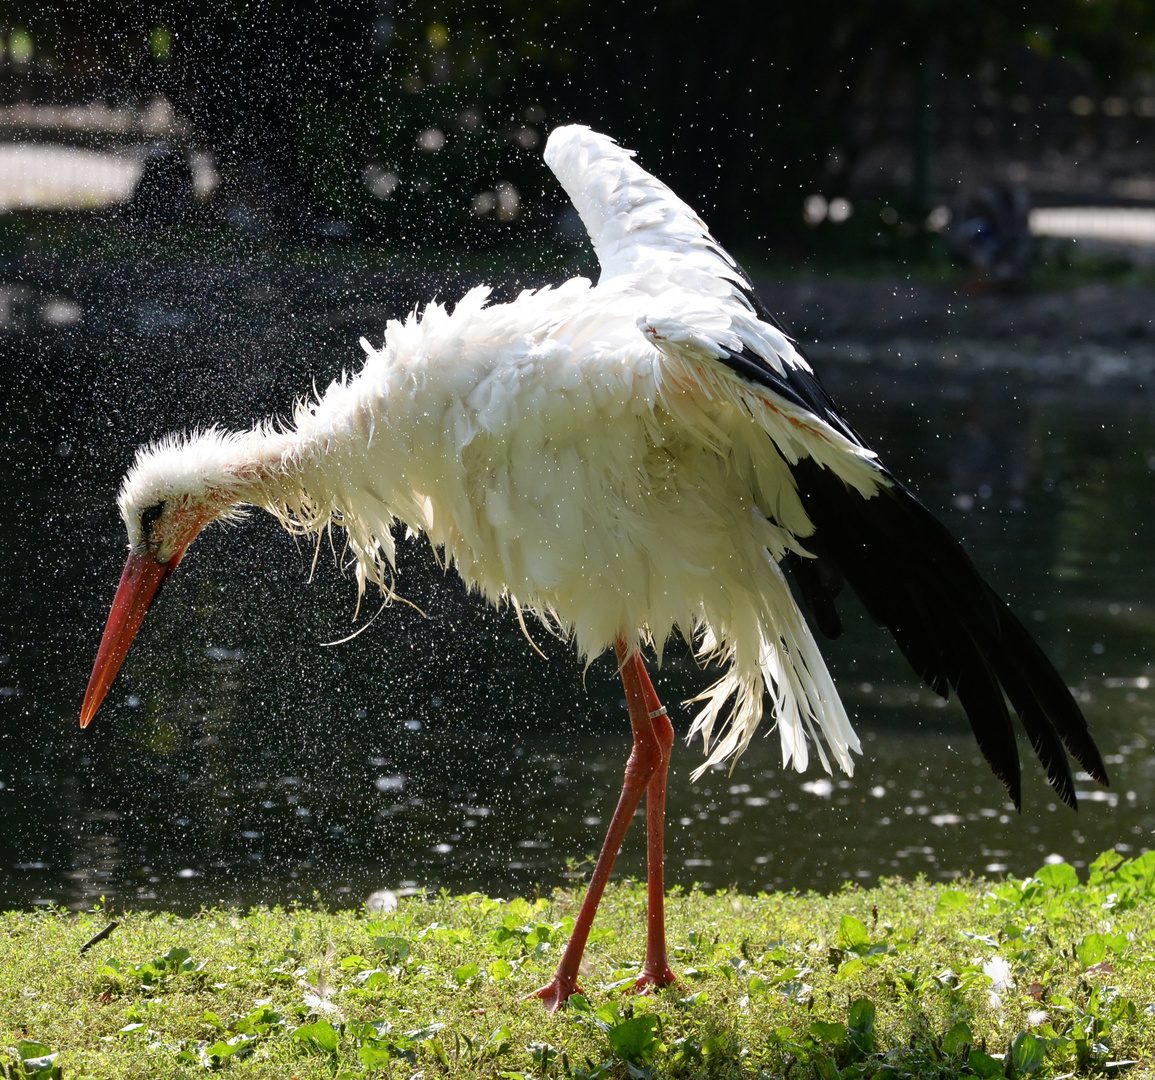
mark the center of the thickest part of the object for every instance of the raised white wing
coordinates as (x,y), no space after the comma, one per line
(699,305)
(637,224)
(644,234)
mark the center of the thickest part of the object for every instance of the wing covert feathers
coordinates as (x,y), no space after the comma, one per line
(916,581)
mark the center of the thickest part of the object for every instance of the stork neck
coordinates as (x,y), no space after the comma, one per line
(272,466)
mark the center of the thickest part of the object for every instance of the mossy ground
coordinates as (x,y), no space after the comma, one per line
(907,979)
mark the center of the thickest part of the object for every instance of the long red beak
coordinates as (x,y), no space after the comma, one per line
(141,581)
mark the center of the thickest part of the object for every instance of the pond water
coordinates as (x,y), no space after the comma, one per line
(237,759)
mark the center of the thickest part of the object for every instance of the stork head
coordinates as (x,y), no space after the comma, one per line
(173,490)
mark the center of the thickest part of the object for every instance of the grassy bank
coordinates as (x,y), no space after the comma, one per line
(1054,975)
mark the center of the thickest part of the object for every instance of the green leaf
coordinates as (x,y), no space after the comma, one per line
(831,1033)
(541,932)
(1058,876)
(37,1061)
(372,979)
(375,1055)
(1092,949)
(259,1021)
(151,971)
(825,1068)
(757,985)
(463,974)
(27,1050)
(500,969)
(1028,1053)
(852,933)
(608,1015)
(396,949)
(437,1049)
(984,1065)
(862,1013)
(1139,873)
(359,1030)
(1101,870)
(633,1040)
(951,900)
(851,968)
(176,957)
(959,1036)
(499,1041)
(322,1035)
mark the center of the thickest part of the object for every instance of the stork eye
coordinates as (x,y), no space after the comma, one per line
(150,517)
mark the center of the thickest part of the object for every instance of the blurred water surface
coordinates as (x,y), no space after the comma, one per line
(238,760)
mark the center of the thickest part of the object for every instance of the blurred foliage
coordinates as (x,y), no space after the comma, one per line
(412,167)
(743,108)
(888,226)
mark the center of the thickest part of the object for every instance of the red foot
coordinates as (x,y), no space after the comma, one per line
(556,993)
(652,979)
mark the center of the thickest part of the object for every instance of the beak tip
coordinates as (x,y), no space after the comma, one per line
(88,710)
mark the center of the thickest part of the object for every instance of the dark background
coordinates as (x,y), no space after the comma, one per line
(743,108)
(371,157)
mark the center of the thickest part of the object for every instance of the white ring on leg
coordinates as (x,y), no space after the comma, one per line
(658,712)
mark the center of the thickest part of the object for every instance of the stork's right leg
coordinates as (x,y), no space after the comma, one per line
(656,971)
(650,754)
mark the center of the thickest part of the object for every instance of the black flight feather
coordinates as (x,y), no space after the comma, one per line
(819,583)
(917,582)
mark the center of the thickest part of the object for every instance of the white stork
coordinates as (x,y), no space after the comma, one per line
(624,460)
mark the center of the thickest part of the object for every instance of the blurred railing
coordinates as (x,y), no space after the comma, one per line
(48,177)
(88,155)
(92,122)
(1057,138)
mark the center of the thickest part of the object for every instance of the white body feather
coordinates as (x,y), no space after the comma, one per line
(581,454)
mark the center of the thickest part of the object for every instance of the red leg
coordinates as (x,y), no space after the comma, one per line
(649,758)
(656,970)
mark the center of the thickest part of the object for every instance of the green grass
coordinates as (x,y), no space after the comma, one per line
(905,980)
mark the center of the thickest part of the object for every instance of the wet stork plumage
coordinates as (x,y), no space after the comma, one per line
(624,460)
